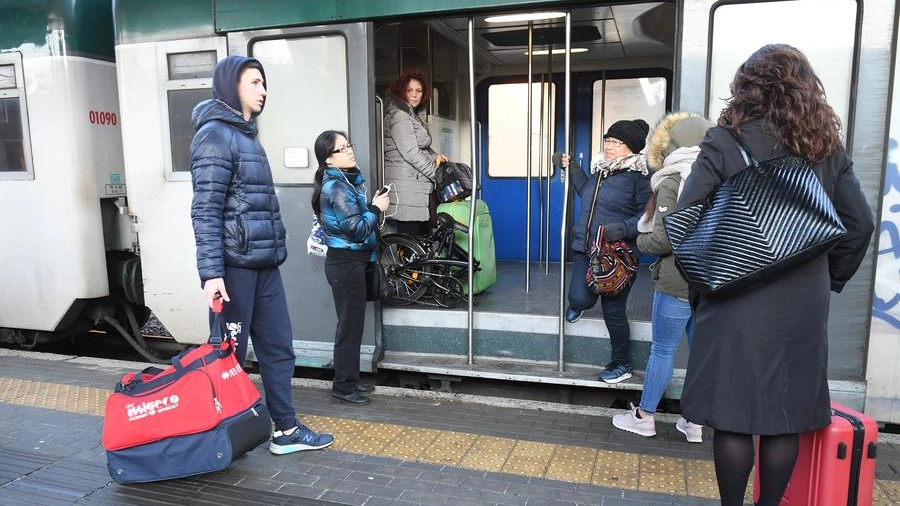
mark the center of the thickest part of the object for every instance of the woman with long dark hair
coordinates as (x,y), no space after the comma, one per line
(350,222)
(759,360)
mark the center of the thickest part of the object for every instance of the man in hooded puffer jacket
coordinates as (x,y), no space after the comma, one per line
(241,240)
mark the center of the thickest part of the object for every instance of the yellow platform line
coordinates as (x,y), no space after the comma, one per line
(577,464)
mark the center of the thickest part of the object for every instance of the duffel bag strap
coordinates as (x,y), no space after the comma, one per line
(218,331)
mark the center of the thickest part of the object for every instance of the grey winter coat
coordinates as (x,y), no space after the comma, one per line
(409,161)
(666,183)
(235,212)
(759,359)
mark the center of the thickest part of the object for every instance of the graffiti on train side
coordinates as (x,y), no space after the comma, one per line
(886,301)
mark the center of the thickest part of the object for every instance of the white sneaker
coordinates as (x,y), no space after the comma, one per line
(692,431)
(630,422)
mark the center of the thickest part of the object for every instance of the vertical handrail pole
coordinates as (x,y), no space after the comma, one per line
(551,113)
(562,229)
(528,157)
(380,121)
(475,184)
(541,176)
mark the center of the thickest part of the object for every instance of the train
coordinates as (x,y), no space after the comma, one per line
(95,104)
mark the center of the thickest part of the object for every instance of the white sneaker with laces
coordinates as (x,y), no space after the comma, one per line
(691,431)
(630,422)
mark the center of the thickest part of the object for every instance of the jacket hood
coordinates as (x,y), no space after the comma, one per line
(214,109)
(225,79)
(676,130)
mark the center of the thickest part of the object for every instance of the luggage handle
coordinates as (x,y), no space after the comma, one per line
(215,338)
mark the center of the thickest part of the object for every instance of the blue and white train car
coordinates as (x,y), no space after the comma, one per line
(69,253)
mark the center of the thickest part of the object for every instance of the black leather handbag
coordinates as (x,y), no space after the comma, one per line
(377,284)
(453,181)
(770,217)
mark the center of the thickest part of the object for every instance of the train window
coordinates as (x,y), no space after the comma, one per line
(15,152)
(627,98)
(826,36)
(188,68)
(7,77)
(307,94)
(507,132)
(197,64)
(181,130)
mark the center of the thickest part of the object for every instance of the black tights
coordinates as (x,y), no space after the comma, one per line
(733,455)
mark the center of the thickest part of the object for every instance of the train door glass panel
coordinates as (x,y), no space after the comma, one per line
(187,67)
(823,30)
(306,81)
(15,152)
(618,99)
(507,128)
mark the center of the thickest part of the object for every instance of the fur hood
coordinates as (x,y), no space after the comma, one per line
(676,130)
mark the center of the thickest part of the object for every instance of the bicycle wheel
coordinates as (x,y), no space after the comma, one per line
(402,256)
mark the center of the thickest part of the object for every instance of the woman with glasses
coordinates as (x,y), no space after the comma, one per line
(350,222)
(409,162)
(624,189)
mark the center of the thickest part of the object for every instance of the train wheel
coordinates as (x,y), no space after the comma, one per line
(401,256)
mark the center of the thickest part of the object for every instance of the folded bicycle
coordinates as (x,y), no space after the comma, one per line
(426,267)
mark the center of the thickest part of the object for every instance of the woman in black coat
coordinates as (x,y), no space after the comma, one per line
(759,360)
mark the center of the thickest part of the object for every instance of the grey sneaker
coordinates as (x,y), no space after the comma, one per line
(303,438)
(630,422)
(691,431)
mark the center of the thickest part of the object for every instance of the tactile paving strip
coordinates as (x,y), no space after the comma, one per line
(666,475)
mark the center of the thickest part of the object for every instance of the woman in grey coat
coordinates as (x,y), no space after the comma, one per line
(409,162)
(759,359)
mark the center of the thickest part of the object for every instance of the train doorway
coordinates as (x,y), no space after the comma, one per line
(620,67)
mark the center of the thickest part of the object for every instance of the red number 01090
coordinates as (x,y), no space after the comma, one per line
(103,118)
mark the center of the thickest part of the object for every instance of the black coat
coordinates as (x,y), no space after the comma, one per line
(759,359)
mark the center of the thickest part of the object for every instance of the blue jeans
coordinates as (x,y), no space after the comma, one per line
(671,318)
(581,298)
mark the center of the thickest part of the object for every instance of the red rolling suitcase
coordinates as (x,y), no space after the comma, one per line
(835,465)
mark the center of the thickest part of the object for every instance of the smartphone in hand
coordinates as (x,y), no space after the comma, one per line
(384,189)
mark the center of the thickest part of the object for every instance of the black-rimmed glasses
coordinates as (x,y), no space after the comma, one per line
(346,149)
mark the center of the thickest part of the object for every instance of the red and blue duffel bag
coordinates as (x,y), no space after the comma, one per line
(193,417)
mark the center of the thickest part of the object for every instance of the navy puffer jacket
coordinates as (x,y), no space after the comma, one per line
(349,222)
(235,213)
(622,198)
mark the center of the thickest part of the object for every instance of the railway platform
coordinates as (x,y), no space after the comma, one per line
(406,448)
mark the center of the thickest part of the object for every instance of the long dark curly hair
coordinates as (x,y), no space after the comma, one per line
(778,84)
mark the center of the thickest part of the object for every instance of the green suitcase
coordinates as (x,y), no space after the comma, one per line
(483,242)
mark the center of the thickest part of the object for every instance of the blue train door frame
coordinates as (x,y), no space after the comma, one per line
(506,195)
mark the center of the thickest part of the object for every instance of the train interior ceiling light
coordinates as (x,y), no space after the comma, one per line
(544,52)
(526,16)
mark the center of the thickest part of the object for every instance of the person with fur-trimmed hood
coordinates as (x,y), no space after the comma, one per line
(671,151)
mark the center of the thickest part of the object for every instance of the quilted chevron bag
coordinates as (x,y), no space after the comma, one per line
(768,218)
